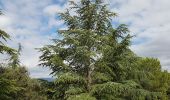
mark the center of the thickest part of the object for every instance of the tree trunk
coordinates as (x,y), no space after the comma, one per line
(89,77)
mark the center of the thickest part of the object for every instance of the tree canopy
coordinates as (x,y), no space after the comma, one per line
(93,60)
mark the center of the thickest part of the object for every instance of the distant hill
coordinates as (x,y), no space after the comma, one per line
(47,79)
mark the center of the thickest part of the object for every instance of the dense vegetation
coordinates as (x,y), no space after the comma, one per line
(92,61)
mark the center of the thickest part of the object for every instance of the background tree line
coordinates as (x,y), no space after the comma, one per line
(92,61)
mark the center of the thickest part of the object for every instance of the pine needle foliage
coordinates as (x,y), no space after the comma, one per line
(3,38)
(14,54)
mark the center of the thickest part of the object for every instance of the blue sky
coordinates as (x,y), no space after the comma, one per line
(33,23)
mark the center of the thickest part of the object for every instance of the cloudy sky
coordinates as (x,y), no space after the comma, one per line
(33,23)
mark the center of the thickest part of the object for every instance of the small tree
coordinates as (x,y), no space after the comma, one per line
(7,86)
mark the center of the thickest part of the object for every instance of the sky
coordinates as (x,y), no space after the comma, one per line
(33,23)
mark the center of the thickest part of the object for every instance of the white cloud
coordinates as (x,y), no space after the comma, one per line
(52,10)
(25,21)
(149,20)
(4,21)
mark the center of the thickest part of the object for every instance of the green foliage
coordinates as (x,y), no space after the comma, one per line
(14,60)
(16,84)
(111,90)
(14,54)
(81,97)
(141,94)
(69,78)
(7,88)
(93,59)
(3,38)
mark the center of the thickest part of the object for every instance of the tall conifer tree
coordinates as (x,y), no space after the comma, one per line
(92,61)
